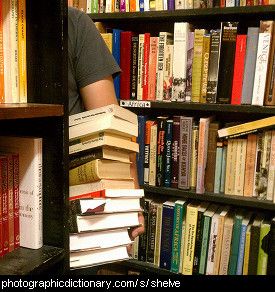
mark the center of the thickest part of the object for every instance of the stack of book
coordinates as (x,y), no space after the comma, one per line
(104,203)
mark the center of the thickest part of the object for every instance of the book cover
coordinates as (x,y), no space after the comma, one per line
(168,153)
(153,55)
(141,38)
(146,65)
(134,67)
(213,70)
(30,184)
(197,64)
(227,57)
(186,124)
(262,60)
(238,69)
(125,63)
(167,72)
(249,64)
(181,33)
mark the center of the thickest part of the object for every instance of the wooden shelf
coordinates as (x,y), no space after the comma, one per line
(23,261)
(212,197)
(29,110)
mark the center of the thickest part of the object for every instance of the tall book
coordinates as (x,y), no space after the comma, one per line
(146,65)
(22,51)
(116,54)
(213,71)
(125,63)
(165,38)
(153,155)
(167,72)
(266,28)
(30,184)
(189,69)
(202,151)
(186,125)
(141,37)
(227,57)
(134,67)
(168,153)
(238,69)
(153,55)
(181,32)
(249,64)
(218,165)
(197,64)
(194,154)
(148,126)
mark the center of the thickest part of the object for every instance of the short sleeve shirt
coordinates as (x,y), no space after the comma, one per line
(89,59)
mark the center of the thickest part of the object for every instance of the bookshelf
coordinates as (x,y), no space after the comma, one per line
(45,115)
(155,21)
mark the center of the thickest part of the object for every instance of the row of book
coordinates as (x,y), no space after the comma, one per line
(104,203)
(189,152)
(195,237)
(21,193)
(196,65)
(109,6)
(13,63)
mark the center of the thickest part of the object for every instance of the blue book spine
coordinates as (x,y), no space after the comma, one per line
(239,270)
(116,54)
(166,236)
(141,141)
(168,156)
(141,5)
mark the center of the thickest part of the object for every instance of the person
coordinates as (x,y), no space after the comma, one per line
(91,69)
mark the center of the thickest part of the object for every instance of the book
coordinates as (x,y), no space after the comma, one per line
(238,69)
(168,153)
(186,124)
(125,63)
(214,61)
(246,249)
(98,256)
(167,72)
(270,263)
(262,60)
(109,124)
(175,152)
(249,64)
(140,66)
(153,55)
(218,165)
(2,72)
(202,151)
(89,206)
(271,170)
(197,65)
(116,54)
(134,67)
(84,145)
(100,187)
(194,154)
(246,128)
(97,222)
(227,57)
(153,155)
(158,232)
(99,169)
(148,126)
(98,153)
(98,240)
(108,110)
(224,162)
(165,38)
(258,163)
(146,65)
(205,66)
(189,69)
(30,184)
(181,30)
(22,50)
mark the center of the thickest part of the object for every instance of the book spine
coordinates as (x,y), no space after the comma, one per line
(158,235)
(168,155)
(151,233)
(239,270)
(254,250)
(240,167)
(152,68)
(238,69)
(143,237)
(161,133)
(84,173)
(218,166)
(204,245)
(194,155)
(175,152)
(205,67)
(167,72)
(224,161)
(246,250)
(10,203)
(147,150)
(186,124)
(227,57)
(116,54)
(141,142)
(225,253)
(197,65)
(258,163)
(2,69)
(146,65)
(141,37)
(263,249)
(134,67)
(153,155)
(271,170)
(213,70)
(4,186)
(189,66)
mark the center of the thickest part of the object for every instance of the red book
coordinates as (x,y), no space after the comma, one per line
(16,200)
(249,2)
(152,68)
(125,63)
(146,65)
(238,70)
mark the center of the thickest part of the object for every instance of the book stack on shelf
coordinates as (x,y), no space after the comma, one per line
(103,200)
(193,237)
(110,6)
(13,73)
(197,65)
(21,193)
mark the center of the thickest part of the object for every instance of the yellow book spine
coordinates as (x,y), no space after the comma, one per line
(205,66)
(246,253)
(22,54)
(84,173)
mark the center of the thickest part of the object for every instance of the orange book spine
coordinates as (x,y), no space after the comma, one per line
(132,5)
(2,86)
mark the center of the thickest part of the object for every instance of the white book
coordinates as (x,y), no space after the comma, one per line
(146,5)
(179,4)
(103,111)
(167,73)
(165,38)
(240,167)
(261,68)
(89,6)
(109,123)
(271,170)
(140,66)
(229,3)
(30,187)
(181,30)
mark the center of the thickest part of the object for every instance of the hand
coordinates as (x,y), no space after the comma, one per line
(136,231)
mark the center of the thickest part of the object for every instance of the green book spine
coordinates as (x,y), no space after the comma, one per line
(204,244)
(263,247)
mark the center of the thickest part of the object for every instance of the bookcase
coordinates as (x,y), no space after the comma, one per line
(156,21)
(45,115)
